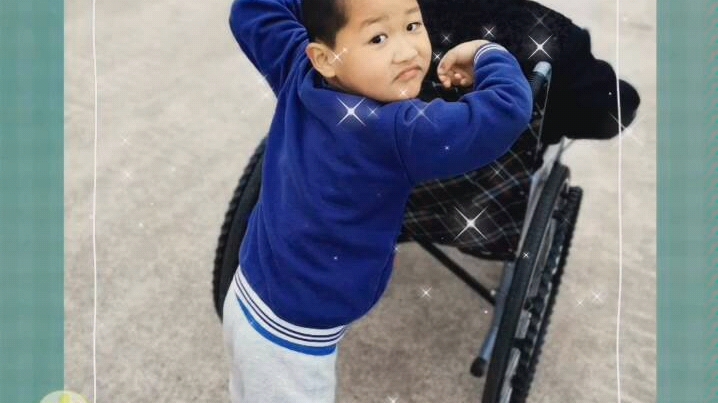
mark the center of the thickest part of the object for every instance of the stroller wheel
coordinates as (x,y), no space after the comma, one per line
(546,296)
(532,292)
(235,224)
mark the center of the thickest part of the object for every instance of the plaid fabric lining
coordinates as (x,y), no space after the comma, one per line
(482,212)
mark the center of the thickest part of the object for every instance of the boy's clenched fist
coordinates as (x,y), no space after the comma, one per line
(456,68)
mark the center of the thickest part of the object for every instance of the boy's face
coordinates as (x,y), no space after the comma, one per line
(383,52)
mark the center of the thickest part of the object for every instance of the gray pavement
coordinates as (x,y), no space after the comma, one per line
(180,110)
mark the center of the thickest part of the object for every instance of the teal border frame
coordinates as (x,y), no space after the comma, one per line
(687,205)
(31,199)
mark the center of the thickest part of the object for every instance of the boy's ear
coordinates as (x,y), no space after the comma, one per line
(321,57)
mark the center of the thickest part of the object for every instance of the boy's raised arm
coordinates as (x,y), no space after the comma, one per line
(441,139)
(271,34)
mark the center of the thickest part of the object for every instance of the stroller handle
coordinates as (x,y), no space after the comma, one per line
(540,76)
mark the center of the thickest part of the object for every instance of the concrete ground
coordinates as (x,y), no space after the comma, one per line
(180,110)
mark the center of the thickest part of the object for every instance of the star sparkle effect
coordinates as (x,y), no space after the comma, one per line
(497,168)
(470,223)
(628,132)
(351,111)
(338,57)
(437,56)
(489,32)
(540,47)
(539,20)
(426,292)
(391,399)
(420,112)
(446,38)
(596,297)
(563,218)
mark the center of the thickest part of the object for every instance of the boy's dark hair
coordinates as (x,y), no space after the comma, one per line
(323,19)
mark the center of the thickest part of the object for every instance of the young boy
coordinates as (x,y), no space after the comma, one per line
(347,144)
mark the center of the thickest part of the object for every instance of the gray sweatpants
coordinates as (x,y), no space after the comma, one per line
(262,371)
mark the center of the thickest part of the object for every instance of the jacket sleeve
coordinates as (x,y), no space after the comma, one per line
(440,140)
(271,34)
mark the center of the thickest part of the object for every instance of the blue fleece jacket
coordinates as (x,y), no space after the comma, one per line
(339,168)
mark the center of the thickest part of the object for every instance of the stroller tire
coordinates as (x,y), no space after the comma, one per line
(528,297)
(244,198)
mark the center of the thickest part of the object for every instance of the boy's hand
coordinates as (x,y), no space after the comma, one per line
(457,66)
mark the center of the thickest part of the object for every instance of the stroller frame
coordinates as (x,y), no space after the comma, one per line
(529,283)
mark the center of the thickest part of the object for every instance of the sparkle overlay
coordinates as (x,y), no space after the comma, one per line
(492,200)
(596,296)
(442,211)
(539,20)
(540,47)
(489,33)
(497,170)
(470,223)
(420,113)
(338,57)
(351,111)
(630,132)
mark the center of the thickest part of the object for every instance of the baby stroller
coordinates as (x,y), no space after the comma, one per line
(520,210)
(528,212)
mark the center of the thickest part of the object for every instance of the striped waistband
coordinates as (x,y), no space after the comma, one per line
(297,338)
